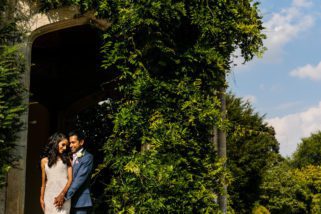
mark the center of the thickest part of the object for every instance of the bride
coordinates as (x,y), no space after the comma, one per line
(56,171)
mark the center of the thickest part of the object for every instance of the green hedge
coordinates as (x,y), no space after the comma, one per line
(11,105)
(11,90)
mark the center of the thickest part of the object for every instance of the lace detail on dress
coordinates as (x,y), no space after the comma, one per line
(57,177)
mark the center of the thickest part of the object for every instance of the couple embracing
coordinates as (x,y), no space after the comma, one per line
(66,180)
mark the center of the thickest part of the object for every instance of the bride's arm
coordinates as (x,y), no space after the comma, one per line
(43,183)
(69,170)
(60,199)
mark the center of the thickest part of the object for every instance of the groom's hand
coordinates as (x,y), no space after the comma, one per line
(59,201)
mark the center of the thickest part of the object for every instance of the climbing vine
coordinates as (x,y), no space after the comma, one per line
(11,90)
(171,57)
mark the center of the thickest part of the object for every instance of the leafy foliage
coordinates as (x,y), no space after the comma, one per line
(283,192)
(308,151)
(252,149)
(288,190)
(295,185)
(11,92)
(316,203)
(259,209)
(171,58)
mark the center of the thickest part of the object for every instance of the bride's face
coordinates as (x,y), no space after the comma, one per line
(62,146)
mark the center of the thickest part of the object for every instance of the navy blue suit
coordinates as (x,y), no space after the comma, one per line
(79,192)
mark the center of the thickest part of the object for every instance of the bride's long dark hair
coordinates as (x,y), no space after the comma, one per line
(51,150)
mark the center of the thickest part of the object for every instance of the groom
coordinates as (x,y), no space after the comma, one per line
(82,165)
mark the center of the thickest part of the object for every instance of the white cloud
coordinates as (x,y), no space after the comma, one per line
(249,98)
(292,128)
(288,105)
(282,28)
(308,71)
(285,26)
(302,3)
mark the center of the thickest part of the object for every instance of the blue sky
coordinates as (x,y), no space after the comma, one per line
(285,84)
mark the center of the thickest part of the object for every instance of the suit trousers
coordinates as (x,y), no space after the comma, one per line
(81,210)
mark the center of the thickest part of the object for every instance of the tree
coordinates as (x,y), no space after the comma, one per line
(308,151)
(283,191)
(292,190)
(294,186)
(252,149)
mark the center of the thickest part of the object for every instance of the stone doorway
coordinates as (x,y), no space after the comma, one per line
(65,81)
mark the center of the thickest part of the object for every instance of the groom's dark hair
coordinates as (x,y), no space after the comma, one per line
(80,134)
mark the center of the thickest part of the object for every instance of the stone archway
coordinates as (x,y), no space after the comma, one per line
(65,77)
(51,33)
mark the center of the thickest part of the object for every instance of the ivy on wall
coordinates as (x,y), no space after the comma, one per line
(172,57)
(12,91)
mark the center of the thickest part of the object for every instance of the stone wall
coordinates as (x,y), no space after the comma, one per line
(2,200)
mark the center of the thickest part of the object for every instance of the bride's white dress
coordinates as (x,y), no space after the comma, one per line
(57,177)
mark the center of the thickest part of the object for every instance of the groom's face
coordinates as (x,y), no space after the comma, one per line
(75,144)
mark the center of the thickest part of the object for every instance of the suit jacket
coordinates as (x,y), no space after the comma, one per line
(79,192)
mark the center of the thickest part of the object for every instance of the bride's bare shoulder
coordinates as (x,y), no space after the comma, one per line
(44,161)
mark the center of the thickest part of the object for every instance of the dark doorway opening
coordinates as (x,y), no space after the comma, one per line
(68,91)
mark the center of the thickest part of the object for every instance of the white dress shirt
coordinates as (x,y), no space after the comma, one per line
(75,155)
